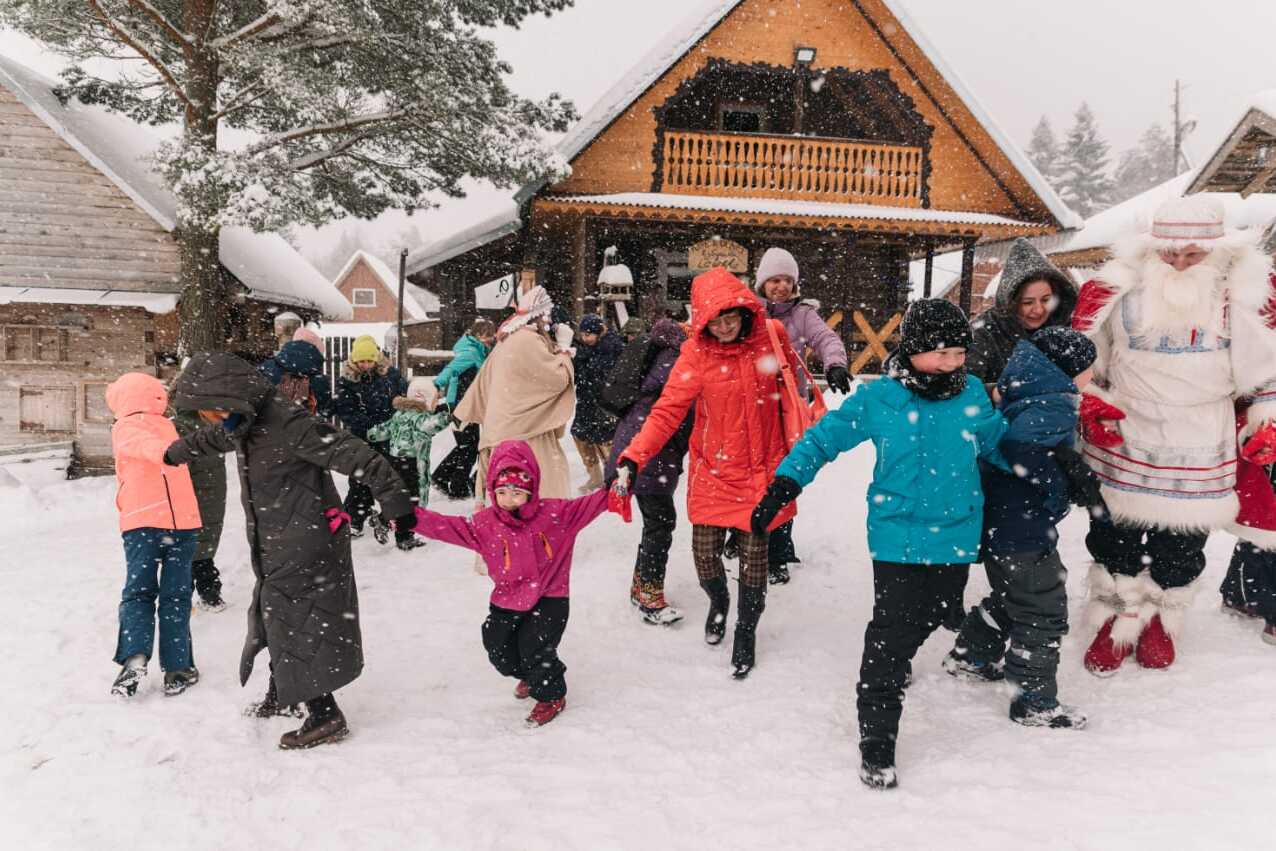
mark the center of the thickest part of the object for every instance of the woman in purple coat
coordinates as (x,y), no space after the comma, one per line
(643,370)
(777,282)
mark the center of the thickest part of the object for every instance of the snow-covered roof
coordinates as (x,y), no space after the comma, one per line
(1134,215)
(418,303)
(263,262)
(1264,101)
(488,228)
(151,302)
(774,206)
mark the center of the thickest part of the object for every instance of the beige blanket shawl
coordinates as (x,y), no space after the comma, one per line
(522,390)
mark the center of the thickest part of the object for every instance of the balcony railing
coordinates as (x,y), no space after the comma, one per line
(802,168)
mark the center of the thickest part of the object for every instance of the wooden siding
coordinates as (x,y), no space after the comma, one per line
(968,170)
(65,224)
(361,277)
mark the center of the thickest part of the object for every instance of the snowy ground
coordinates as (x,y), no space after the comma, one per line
(658,748)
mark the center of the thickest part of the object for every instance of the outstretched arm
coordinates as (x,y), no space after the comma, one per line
(449,528)
(316,442)
(837,432)
(209,440)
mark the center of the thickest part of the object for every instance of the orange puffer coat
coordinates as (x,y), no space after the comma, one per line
(737,441)
(151,494)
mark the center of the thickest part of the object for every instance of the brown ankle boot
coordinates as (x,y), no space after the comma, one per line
(316,731)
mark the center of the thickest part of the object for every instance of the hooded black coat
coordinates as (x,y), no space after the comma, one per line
(593,423)
(997,330)
(305,608)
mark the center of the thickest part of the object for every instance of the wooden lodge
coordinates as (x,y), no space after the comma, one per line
(89,269)
(828,127)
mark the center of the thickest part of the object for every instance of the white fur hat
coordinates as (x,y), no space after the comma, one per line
(776,261)
(532,305)
(1193,220)
(423,390)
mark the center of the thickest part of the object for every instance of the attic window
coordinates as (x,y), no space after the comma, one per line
(742,118)
(364,298)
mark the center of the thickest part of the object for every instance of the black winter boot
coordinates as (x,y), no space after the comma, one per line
(877,766)
(752,602)
(208,584)
(715,626)
(269,706)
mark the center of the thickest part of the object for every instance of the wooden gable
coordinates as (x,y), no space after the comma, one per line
(968,169)
(65,224)
(361,276)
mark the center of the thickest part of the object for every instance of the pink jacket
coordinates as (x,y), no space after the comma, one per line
(151,494)
(528,555)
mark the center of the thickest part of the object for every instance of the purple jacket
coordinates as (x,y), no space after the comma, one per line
(529,554)
(807,330)
(661,474)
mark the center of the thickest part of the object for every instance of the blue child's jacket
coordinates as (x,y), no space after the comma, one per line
(925,503)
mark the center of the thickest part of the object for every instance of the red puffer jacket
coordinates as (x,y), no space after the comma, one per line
(737,441)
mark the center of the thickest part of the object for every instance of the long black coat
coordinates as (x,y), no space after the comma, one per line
(593,423)
(305,608)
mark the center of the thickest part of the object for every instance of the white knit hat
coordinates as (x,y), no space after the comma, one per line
(532,305)
(423,390)
(1193,220)
(776,261)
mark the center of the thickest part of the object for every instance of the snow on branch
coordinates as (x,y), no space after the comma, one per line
(248,96)
(326,129)
(142,50)
(166,26)
(269,25)
(315,157)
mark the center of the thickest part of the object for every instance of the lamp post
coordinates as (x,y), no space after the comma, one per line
(803,57)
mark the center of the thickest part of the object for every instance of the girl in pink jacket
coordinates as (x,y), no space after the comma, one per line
(159,519)
(527,545)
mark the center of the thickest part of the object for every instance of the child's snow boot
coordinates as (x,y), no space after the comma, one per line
(777,574)
(176,682)
(1046,713)
(877,765)
(1269,633)
(715,625)
(269,706)
(545,711)
(963,668)
(324,725)
(131,675)
(208,585)
(409,544)
(1105,656)
(522,691)
(650,600)
(752,603)
(380,528)
(1156,648)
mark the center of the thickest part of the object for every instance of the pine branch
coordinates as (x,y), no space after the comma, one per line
(136,44)
(248,31)
(248,96)
(325,129)
(316,157)
(179,38)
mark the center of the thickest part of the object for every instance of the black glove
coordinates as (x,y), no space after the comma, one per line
(405,523)
(442,408)
(170,456)
(782,491)
(1083,484)
(838,379)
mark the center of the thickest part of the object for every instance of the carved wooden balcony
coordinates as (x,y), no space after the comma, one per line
(797,167)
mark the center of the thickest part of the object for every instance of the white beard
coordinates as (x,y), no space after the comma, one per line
(1175,302)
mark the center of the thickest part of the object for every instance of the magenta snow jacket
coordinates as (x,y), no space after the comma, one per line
(529,554)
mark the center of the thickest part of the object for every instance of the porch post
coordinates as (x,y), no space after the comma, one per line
(967,275)
(930,270)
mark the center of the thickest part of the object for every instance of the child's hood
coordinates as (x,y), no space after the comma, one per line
(136,393)
(1030,373)
(516,454)
(1037,397)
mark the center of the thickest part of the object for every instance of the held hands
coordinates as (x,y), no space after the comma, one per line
(1098,420)
(1261,447)
(838,379)
(619,499)
(781,492)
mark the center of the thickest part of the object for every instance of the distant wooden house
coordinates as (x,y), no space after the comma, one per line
(830,128)
(89,269)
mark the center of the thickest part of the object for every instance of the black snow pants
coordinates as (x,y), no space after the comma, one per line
(455,474)
(524,645)
(910,601)
(1173,559)
(1251,580)
(1028,607)
(659,518)
(779,545)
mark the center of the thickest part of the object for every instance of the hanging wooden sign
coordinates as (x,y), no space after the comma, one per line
(718,252)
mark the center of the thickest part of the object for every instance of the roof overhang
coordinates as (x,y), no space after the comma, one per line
(1246,161)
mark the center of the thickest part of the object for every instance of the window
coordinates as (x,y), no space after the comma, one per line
(42,409)
(34,343)
(94,403)
(364,298)
(742,118)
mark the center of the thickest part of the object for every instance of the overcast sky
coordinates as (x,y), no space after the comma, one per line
(1020,58)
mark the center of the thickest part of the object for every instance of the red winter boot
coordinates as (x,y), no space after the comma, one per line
(522,691)
(545,711)
(1104,656)
(1156,648)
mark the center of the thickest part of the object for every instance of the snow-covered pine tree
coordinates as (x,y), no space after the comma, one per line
(1083,180)
(1148,164)
(1043,151)
(350,108)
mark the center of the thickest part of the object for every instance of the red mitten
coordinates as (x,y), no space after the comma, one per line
(1261,447)
(620,501)
(1095,416)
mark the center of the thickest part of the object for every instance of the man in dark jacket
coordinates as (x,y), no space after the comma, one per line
(1033,294)
(1028,605)
(208,475)
(597,350)
(658,480)
(305,609)
(365,394)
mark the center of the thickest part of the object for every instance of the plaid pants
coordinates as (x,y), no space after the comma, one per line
(706,550)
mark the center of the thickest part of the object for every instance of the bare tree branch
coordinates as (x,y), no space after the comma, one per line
(248,96)
(179,38)
(142,50)
(316,157)
(325,129)
(247,31)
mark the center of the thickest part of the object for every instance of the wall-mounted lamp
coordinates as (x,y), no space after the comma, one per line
(803,56)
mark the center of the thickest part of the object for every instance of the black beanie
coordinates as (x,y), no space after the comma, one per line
(1071,351)
(933,323)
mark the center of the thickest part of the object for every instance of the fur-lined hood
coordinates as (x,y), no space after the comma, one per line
(349,372)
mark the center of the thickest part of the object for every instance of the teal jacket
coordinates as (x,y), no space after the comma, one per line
(468,352)
(925,503)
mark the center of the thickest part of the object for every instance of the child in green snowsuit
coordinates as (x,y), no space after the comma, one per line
(411,429)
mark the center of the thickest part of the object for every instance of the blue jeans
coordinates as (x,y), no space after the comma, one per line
(159,567)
